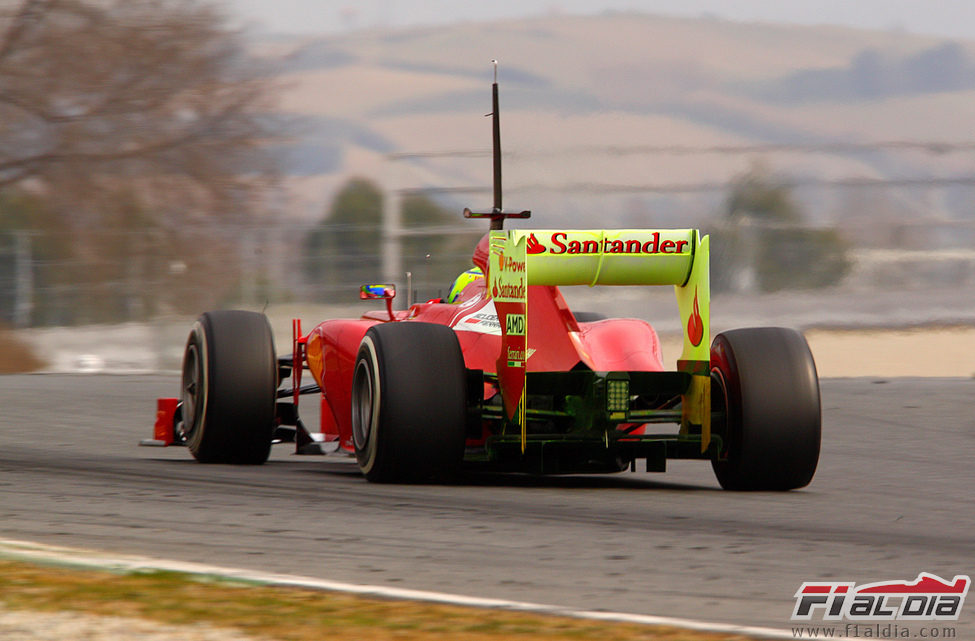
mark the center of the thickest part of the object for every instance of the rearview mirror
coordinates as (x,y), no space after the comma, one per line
(377,292)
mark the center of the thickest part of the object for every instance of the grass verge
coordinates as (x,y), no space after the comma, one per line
(292,614)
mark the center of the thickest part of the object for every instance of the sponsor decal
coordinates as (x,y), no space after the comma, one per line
(514,325)
(927,598)
(560,243)
(509,290)
(532,246)
(517,357)
(484,321)
(511,265)
(504,288)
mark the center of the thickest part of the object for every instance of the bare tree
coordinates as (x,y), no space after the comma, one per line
(131,115)
(154,86)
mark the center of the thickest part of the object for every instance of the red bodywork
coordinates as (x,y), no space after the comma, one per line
(559,342)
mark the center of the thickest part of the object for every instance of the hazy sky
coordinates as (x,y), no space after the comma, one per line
(954,18)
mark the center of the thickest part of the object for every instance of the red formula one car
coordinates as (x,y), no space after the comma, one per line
(506,377)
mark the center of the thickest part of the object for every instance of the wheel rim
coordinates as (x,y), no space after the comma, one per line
(362,400)
(191,389)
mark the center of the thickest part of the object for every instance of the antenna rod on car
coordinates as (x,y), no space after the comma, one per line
(496,223)
(497,213)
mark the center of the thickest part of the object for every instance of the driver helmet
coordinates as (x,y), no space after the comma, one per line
(463,281)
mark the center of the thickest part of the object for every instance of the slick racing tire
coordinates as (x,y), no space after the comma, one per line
(764,379)
(228,389)
(409,402)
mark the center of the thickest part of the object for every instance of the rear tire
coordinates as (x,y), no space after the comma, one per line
(228,389)
(409,402)
(765,380)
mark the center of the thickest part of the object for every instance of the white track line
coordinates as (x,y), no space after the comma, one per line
(77,557)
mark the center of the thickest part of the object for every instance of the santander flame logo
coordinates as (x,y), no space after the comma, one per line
(532,246)
(695,324)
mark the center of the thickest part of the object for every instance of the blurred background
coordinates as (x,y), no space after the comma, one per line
(159,158)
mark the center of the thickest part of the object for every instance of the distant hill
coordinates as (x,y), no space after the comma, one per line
(588,102)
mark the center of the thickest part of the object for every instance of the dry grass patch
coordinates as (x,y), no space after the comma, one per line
(291,614)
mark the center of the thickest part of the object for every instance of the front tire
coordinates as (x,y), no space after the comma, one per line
(765,379)
(408,402)
(228,389)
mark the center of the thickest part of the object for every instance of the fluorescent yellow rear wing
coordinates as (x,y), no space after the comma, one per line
(678,257)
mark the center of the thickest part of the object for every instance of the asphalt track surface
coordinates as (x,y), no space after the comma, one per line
(893,497)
